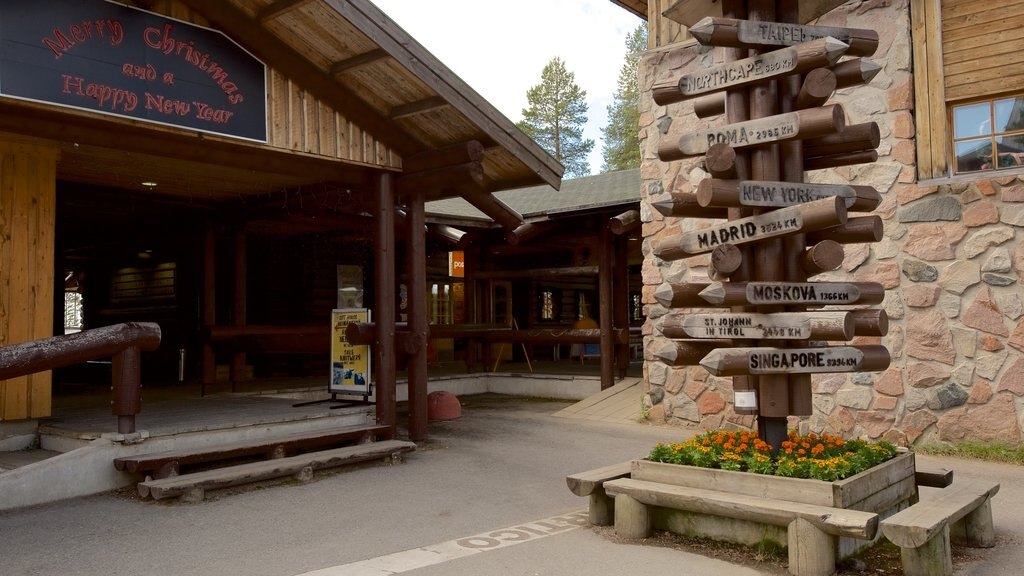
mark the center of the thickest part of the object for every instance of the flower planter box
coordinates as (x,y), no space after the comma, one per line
(884,490)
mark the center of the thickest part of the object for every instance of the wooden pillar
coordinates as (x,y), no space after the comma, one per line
(384,299)
(773,389)
(472,264)
(605,296)
(416,261)
(737,109)
(621,305)
(209,368)
(28,199)
(239,308)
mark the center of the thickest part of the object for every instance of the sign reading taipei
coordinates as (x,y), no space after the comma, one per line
(108,58)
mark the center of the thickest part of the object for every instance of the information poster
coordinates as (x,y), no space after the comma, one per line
(350,363)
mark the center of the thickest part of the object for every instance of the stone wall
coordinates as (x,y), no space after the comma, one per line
(949,262)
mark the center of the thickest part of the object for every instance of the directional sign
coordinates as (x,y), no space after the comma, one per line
(792,293)
(815,215)
(755,361)
(782,34)
(823,325)
(779,194)
(743,134)
(738,73)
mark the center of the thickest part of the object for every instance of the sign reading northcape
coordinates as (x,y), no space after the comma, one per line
(753,361)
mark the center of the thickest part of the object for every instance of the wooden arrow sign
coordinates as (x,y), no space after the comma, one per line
(816,215)
(749,34)
(792,293)
(755,361)
(803,124)
(821,325)
(733,193)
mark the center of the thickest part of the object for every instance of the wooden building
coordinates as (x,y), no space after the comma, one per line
(579,248)
(209,165)
(947,98)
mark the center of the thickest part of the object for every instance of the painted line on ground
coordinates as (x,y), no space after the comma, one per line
(454,549)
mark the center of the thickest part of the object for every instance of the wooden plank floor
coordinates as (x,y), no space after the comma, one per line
(620,403)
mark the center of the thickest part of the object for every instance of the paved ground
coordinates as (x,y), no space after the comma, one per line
(486,495)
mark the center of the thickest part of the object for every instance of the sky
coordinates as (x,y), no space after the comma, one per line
(500,48)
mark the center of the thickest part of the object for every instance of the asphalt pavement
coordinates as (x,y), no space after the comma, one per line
(485,495)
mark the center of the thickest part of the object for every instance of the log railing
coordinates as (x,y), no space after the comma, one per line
(123,343)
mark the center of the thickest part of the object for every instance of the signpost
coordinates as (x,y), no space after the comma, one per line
(773,81)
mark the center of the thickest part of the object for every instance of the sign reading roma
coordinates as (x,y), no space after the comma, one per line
(109,58)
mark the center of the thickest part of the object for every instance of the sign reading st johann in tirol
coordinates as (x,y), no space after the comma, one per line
(105,57)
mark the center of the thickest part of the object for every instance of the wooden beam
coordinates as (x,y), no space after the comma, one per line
(276,52)
(469,151)
(358,61)
(418,107)
(279,8)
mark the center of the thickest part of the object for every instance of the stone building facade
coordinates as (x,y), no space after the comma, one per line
(950,262)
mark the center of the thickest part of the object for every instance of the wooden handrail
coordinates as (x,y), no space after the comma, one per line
(121,342)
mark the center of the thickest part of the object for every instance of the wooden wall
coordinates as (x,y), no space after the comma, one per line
(982,46)
(660,30)
(27,210)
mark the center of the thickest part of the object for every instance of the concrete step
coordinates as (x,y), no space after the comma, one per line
(192,487)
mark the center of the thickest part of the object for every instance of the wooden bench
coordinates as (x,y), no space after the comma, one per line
(962,511)
(167,464)
(193,487)
(811,529)
(591,483)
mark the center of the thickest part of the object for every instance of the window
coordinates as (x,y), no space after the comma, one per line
(989,135)
(549,304)
(636,307)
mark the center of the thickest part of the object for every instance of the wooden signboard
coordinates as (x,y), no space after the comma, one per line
(782,222)
(750,34)
(771,194)
(778,128)
(822,325)
(754,361)
(792,293)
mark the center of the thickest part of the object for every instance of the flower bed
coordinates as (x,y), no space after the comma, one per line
(877,478)
(812,456)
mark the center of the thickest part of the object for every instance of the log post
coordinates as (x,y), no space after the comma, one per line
(384,299)
(606,295)
(416,262)
(238,359)
(209,367)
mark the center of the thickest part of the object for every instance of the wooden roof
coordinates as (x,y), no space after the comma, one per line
(355,62)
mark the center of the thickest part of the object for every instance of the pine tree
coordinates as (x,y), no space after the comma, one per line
(555,117)
(621,148)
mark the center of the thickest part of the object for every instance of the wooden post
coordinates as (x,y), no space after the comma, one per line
(622,305)
(239,305)
(632,518)
(384,299)
(416,256)
(472,307)
(606,295)
(811,550)
(209,368)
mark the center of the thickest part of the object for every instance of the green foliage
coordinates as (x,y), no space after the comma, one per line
(621,147)
(824,457)
(554,118)
(990,451)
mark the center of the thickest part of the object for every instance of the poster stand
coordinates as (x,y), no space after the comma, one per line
(350,364)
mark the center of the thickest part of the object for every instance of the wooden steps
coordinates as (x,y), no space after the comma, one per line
(171,463)
(189,473)
(192,487)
